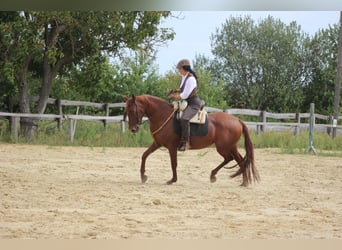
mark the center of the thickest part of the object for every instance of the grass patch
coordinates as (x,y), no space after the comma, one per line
(93,134)
(290,144)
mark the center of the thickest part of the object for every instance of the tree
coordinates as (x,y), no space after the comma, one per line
(323,62)
(338,77)
(264,65)
(54,42)
(93,80)
(135,74)
(17,49)
(210,88)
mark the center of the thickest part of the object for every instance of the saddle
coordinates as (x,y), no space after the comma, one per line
(199,118)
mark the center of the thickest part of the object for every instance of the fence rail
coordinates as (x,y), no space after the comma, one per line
(294,120)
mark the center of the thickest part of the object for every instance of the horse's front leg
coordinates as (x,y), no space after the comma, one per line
(173,158)
(149,151)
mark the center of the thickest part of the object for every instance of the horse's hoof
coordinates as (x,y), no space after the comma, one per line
(144,178)
(170,182)
(212,179)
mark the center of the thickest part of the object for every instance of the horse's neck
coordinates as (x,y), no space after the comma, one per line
(158,111)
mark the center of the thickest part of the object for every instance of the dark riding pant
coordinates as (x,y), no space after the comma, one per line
(194,105)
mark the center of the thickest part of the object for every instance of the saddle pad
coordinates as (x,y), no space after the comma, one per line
(199,118)
(195,129)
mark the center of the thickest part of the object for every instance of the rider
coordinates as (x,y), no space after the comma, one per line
(187,91)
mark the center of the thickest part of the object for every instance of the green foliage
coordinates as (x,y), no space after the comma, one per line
(323,58)
(58,43)
(210,89)
(261,63)
(14,48)
(100,80)
(136,75)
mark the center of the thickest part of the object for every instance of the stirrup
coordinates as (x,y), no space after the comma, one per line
(182,147)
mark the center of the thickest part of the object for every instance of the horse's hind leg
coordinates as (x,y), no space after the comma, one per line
(227,158)
(214,171)
(239,159)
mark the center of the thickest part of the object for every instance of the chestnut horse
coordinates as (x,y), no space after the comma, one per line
(224,131)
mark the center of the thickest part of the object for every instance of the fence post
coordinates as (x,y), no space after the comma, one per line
(14,127)
(333,127)
(258,129)
(311,128)
(264,121)
(60,112)
(106,109)
(71,129)
(122,126)
(330,121)
(297,128)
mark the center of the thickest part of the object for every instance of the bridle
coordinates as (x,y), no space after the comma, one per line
(139,121)
(137,118)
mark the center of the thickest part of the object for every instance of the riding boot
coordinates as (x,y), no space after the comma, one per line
(184,135)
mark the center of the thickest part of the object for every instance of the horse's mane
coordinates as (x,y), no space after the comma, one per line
(156,99)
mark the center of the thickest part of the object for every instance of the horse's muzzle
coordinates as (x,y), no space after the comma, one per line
(135,129)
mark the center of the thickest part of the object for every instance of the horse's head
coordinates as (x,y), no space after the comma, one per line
(135,112)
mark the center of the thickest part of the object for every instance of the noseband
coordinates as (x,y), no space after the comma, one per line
(139,121)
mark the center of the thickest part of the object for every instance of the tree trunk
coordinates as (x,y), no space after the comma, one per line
(28,126)
(338,78)
(50,70)
(46,86)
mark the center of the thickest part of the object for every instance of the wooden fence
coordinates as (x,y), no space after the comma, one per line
(287,121)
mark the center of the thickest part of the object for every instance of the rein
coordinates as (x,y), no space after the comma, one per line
(167,120)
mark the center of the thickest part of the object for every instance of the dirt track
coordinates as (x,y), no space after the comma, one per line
(80,192)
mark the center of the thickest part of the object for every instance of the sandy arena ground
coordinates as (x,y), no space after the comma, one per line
(81,192)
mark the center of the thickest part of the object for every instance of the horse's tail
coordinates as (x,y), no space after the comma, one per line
(247,165)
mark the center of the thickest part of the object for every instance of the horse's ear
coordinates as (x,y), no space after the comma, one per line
(125,98)
(133,97)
